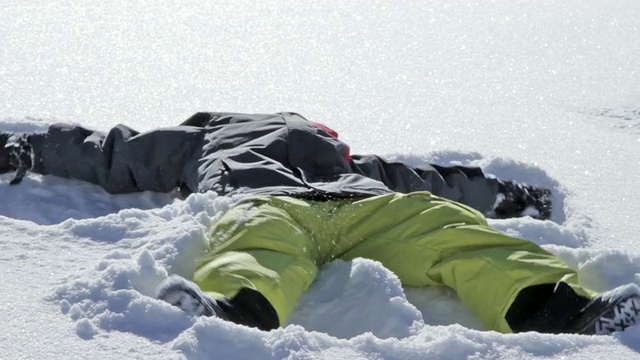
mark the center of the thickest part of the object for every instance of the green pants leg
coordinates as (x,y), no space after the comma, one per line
(275,244)
(257,244)
(428,240)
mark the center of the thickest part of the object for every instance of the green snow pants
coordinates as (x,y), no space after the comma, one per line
(275,244)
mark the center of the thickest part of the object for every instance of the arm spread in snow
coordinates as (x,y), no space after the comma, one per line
(493,197)
(123,160)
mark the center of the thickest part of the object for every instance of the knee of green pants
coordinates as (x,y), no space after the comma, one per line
(281,278)
(257,224)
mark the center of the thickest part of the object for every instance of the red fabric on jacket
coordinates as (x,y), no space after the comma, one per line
(333,133)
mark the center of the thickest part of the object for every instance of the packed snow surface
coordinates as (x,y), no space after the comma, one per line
(542,92)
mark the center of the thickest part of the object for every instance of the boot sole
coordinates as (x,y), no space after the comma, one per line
(620,316)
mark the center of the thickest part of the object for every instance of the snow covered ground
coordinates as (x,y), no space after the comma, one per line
(544,92)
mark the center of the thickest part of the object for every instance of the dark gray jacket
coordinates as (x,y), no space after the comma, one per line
(277,154)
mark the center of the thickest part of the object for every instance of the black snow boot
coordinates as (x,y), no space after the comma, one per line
(558,309)
(609,312)
(248,307)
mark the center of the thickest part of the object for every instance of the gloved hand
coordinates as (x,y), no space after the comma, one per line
(516,200)
(15,154)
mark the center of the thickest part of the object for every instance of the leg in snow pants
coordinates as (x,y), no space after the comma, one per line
(275,244)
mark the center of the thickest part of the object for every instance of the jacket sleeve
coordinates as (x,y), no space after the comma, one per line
(495,198)
(123,160)
(467,185)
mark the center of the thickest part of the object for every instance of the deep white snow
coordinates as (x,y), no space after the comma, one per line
(544,92)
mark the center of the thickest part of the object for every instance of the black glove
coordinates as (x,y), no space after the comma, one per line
(15,154)
(516,200)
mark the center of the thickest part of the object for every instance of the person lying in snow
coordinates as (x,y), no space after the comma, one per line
(307,201)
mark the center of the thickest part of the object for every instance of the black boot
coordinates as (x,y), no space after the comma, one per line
(546,308)
(558,308)
(248,307)
(609,312)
